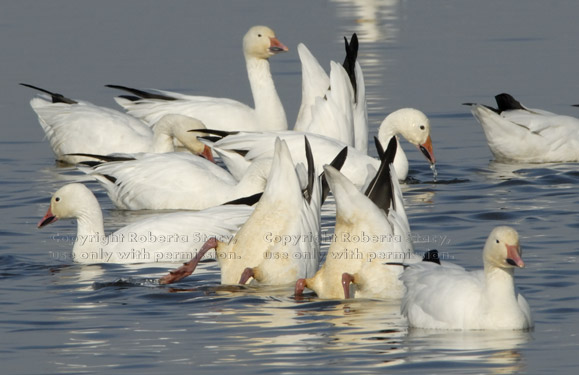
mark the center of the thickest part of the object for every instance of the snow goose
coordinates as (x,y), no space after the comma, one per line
(259,44)
(73,126)
(175,180)
(166,238)
(370,242)
(359,168)
(334,106)
(518,134)
(448,297)
(279,243)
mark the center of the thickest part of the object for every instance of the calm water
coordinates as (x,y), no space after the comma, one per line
(57,317)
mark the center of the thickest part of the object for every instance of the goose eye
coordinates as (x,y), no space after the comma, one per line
(259,35)
(57,199)
(422,127)
(498,241)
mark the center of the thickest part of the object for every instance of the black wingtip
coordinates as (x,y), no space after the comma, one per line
(219,133)
(381,190)
(486,106)
(350,60)
(248,201)
(308,191)
(56,97)
(104,158)
(379,148)
(140,93)
(506,102)
(431,256)
(337,163)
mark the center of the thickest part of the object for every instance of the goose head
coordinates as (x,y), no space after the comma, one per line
(64,203)
(411,124)
(502,249)
(183,129)
(260,42)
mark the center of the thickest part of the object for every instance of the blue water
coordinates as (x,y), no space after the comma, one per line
(57,317)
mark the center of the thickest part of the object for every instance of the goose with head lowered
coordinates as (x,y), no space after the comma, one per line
(370,244)
(259,44)
(279,243)
(516,133)
(74,126)
(446,296)
(165,238)
(175,180)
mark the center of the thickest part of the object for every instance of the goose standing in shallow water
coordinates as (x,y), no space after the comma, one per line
(518,134)
(279,242)
(74,127)
(448,297)
(259,44)
(166,238)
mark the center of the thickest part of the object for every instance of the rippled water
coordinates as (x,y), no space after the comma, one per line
(58,317)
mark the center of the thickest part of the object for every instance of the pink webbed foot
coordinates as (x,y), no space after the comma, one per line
(188,268)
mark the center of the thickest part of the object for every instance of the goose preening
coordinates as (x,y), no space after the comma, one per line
(174,180)
(259,44)
(279,243)
(74,126)
(371,239)
(167,238)
(446,296)
(409,123)
(516,133)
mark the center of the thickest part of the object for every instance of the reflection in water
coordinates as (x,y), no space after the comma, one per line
(497,349)
(376,20)
(377,24)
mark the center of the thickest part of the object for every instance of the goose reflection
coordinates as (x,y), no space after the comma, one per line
(375,19)
(495,351)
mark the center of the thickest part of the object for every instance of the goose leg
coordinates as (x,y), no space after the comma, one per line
(246,275)
(347,278)
(187,268)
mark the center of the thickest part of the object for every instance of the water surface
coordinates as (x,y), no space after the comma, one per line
(58,317)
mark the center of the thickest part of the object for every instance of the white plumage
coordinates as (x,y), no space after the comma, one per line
(359,168)
(370,245)
(447,296)
(172,237)
(279,242)
(518,134)
(175,181)
(73,126)
(259,44)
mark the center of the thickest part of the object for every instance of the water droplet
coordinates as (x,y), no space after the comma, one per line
(434,172)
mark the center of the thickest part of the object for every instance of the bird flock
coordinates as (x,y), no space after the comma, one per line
(247,190)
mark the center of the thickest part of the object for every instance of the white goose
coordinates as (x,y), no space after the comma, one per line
(371,239)
(73,127)
(175,181)
(359,168)
(448,297)
(166,238)
(259,44)
(518,134)
(279,242)
(334,106)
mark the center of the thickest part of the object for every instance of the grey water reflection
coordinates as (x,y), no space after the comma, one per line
(498,351)
(376,20)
